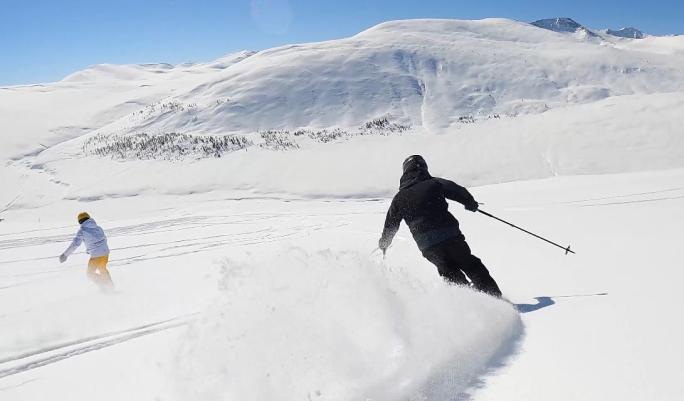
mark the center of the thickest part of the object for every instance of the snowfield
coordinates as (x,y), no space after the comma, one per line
(288,297)
(262,298)
(243,199)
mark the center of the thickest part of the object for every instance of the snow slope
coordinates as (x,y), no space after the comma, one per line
(251,275)
(426,72)
(292,303)
(561,100)
(559,142)
(39,116)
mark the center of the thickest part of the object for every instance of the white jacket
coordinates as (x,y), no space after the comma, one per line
(94,238)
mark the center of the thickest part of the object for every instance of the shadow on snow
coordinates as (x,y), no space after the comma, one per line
(543,302)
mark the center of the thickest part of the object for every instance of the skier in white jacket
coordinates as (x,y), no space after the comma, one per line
(96,246)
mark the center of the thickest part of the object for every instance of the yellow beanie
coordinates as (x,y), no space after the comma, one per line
(83,217)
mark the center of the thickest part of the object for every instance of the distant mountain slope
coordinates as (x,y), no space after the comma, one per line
(153,71)
(567,104)
(631,33)
(427,73)
(35,117)
(558,24)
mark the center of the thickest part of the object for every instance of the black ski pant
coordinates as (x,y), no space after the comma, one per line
(454,262)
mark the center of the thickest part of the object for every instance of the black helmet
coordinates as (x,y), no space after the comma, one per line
(414,162)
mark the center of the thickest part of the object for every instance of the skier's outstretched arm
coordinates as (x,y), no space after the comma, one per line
(392,222)
(75,243)
(459,194)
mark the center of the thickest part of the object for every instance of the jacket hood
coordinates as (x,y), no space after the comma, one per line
(89,223)
(413,177)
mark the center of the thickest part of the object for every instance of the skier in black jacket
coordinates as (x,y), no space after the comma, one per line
(421,202)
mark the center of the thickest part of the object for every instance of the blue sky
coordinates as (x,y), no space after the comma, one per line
(42,40)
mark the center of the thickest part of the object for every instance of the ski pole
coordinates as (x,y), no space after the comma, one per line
(531,233)
(379,249)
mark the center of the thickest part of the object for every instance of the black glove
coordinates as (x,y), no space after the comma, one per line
(472,206)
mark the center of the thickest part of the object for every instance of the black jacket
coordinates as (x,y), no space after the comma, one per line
(421,202)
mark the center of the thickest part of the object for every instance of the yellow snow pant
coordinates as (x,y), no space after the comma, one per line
(98,273)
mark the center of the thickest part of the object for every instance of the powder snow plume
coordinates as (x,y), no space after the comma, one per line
(339,326)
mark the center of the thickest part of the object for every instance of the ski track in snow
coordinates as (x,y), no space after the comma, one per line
(151,249)
(57,353)
(622,199)
(84,340)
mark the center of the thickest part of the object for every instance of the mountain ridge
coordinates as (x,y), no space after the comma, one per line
(428,73)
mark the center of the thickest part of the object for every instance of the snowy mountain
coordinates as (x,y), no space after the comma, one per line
(568,25)
(428,74)
(558,24)
(565,25)
(150,72)
(629,32)
(488,85)
(243,199)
